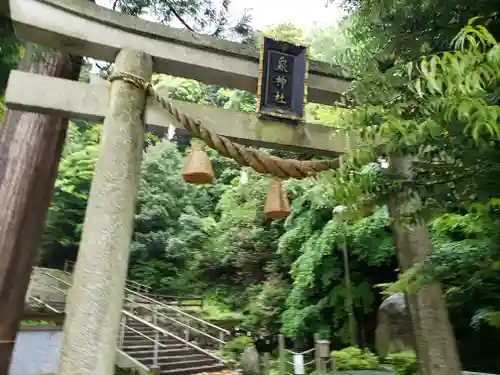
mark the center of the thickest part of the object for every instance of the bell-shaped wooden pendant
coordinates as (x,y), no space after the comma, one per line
(198,168)
(277,206)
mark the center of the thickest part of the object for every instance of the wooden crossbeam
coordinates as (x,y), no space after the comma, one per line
(86,29)
(28,92)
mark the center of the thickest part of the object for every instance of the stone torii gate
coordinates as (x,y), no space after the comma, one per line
(139,47)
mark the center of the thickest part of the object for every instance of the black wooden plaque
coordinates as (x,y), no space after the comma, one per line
(282,90)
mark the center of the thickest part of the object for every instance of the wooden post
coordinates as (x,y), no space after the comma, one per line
(96,299)
(282,356)
(317,358)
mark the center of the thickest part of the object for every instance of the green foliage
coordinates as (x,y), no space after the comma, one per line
(404,363)
(169,225)
(314,238)
(289,275)
(10,52)
(215,310)
(266,309)
(243,242)
(353,358)
(65,218)
(235,348)
(32,323)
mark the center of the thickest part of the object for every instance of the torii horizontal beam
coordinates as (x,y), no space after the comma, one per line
(28,92)
(86,29)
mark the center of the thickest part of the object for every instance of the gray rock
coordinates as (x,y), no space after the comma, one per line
(394,329)
(250,362)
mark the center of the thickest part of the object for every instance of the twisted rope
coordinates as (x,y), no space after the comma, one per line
(258,160)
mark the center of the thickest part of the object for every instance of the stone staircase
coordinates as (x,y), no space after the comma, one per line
(173,358)
(157,337)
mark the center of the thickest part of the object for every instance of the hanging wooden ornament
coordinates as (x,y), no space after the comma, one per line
(277,206)
(198,168)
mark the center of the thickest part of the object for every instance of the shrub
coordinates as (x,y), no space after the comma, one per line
(404,363)
(235,348)
(352,358)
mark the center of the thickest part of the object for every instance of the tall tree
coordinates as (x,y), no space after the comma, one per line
(30,149)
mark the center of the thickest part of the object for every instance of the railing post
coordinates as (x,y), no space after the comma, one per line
(322,349)
(101,268)
(65,268)
(221,337)
(157,338)
(281,351)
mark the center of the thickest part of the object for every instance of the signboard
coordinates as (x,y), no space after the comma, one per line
(282,90)
(298,364)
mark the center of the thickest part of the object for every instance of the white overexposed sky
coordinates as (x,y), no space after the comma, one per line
(274,12)
(299,12)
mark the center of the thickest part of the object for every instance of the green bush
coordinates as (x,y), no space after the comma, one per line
(235,348)
(404,363)
(352,358)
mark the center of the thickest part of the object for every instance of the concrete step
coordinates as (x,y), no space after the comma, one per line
(193,370)
(147,332)
(165,364)
(167,356)
(174,352)
(173,356)
(146,342)
(153,335)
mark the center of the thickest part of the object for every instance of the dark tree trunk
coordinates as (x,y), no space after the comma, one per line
(30,150)
(435,343)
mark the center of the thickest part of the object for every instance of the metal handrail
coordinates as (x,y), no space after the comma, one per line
(180,312)
(57,279)
(159,303)
(45,304)
(56,289)
(145,289)
(70,264)
(165,332)
(180,301)
(138,285)
(145,322)
(144,306)
(140,333)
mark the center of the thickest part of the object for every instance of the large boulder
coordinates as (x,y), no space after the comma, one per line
(394,329)
(250,362)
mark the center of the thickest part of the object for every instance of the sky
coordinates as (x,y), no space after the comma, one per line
(301,13)
(273,12)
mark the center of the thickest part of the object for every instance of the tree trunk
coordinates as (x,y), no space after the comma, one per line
(435,342)
(30,149)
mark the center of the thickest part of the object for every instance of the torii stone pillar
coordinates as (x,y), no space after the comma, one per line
(96,297)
